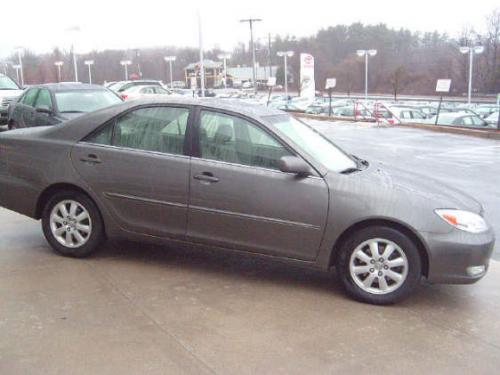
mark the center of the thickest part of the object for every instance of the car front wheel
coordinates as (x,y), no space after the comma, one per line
(379,265)
(72,224)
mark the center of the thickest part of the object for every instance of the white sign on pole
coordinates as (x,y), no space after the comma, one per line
(443,85)
(307,84)
(271,81)
(330,83)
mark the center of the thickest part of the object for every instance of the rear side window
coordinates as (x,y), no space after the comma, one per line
(160,129)
(29,97)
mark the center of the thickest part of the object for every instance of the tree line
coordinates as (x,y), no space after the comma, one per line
(407,62)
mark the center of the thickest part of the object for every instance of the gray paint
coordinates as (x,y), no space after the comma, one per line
(249,209)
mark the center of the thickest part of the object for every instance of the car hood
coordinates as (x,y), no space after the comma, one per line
(421,187)
(10,93)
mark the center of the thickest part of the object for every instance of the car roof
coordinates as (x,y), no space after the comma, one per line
(59,87)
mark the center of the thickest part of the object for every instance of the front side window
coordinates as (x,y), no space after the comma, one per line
(44,99)
(235,140)
(312,142)
(29,97)
(160,129)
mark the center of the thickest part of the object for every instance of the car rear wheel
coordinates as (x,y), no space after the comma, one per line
(379,265)
(72,224)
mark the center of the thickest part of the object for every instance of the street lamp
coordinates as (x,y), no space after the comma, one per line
(366,53)
(254,73)
(74,29)
(125,64)
(17,68)
(170,60)
(89,63)
(285,55)
(20,72)
(474,50)
(59,65)
(224,57)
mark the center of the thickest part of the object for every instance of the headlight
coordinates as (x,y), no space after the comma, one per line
(463,220)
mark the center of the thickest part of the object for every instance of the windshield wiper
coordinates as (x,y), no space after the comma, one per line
(350,170)
(72,112)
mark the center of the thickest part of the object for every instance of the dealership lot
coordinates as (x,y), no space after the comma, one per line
(137,309)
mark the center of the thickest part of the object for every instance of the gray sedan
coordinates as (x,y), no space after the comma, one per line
(246,178)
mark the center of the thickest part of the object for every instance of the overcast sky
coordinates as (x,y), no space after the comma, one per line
(41,25)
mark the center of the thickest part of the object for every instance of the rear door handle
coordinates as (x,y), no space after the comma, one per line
(206,177)
(91,159)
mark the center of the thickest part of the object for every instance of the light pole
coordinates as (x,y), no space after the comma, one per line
(59,65)
(366,53)
(17,68)
(224,57)
(474,50)
(125,64)
(89,63)
(251,22)
(170,60)
(20,78)
(285,55)
(74,29)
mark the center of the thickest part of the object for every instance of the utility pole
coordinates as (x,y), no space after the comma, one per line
(202,63)
(251,21)
(270,56)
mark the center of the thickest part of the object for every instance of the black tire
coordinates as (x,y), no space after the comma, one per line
(96,236)
(413,275)
(13,125)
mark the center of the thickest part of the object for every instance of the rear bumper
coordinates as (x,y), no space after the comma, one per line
(459,257)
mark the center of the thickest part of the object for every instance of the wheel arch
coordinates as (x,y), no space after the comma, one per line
(409,232)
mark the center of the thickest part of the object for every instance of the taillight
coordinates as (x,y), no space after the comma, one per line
(124,96)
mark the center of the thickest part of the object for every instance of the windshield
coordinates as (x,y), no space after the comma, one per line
(313,143)
(84,100)
(7,84)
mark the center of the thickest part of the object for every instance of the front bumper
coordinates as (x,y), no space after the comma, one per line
(458,257)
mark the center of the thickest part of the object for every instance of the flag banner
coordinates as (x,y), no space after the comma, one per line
(307,85)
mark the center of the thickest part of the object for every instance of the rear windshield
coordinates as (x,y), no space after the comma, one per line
(84,100)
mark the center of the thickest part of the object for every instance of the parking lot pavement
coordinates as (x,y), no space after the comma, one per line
(134,309)
(468,163)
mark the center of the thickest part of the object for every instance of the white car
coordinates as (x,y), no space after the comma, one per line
(137,92)
(9,92)
(407,114)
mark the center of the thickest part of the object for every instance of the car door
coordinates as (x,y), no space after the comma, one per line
(138,167)
(240,199)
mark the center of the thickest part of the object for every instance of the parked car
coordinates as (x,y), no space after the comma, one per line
(459,119)
(53,103)
(492,119)
(484,110)
(245,177)
(9,92)
(125,85)
(407,114)
(137,92)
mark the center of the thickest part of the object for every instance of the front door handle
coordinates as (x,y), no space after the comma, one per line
(206,177)
(91,159)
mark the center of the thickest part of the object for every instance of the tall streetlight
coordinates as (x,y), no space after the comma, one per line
(474,50)
(224,57)
(89,64)
(251,22)
(125,64)
(20,72)
(285,55)
(59,65)
(170,60)
(366,53)
(17,68)
(74,29)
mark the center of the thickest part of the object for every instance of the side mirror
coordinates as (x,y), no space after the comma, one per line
(295,165)
(43,109)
